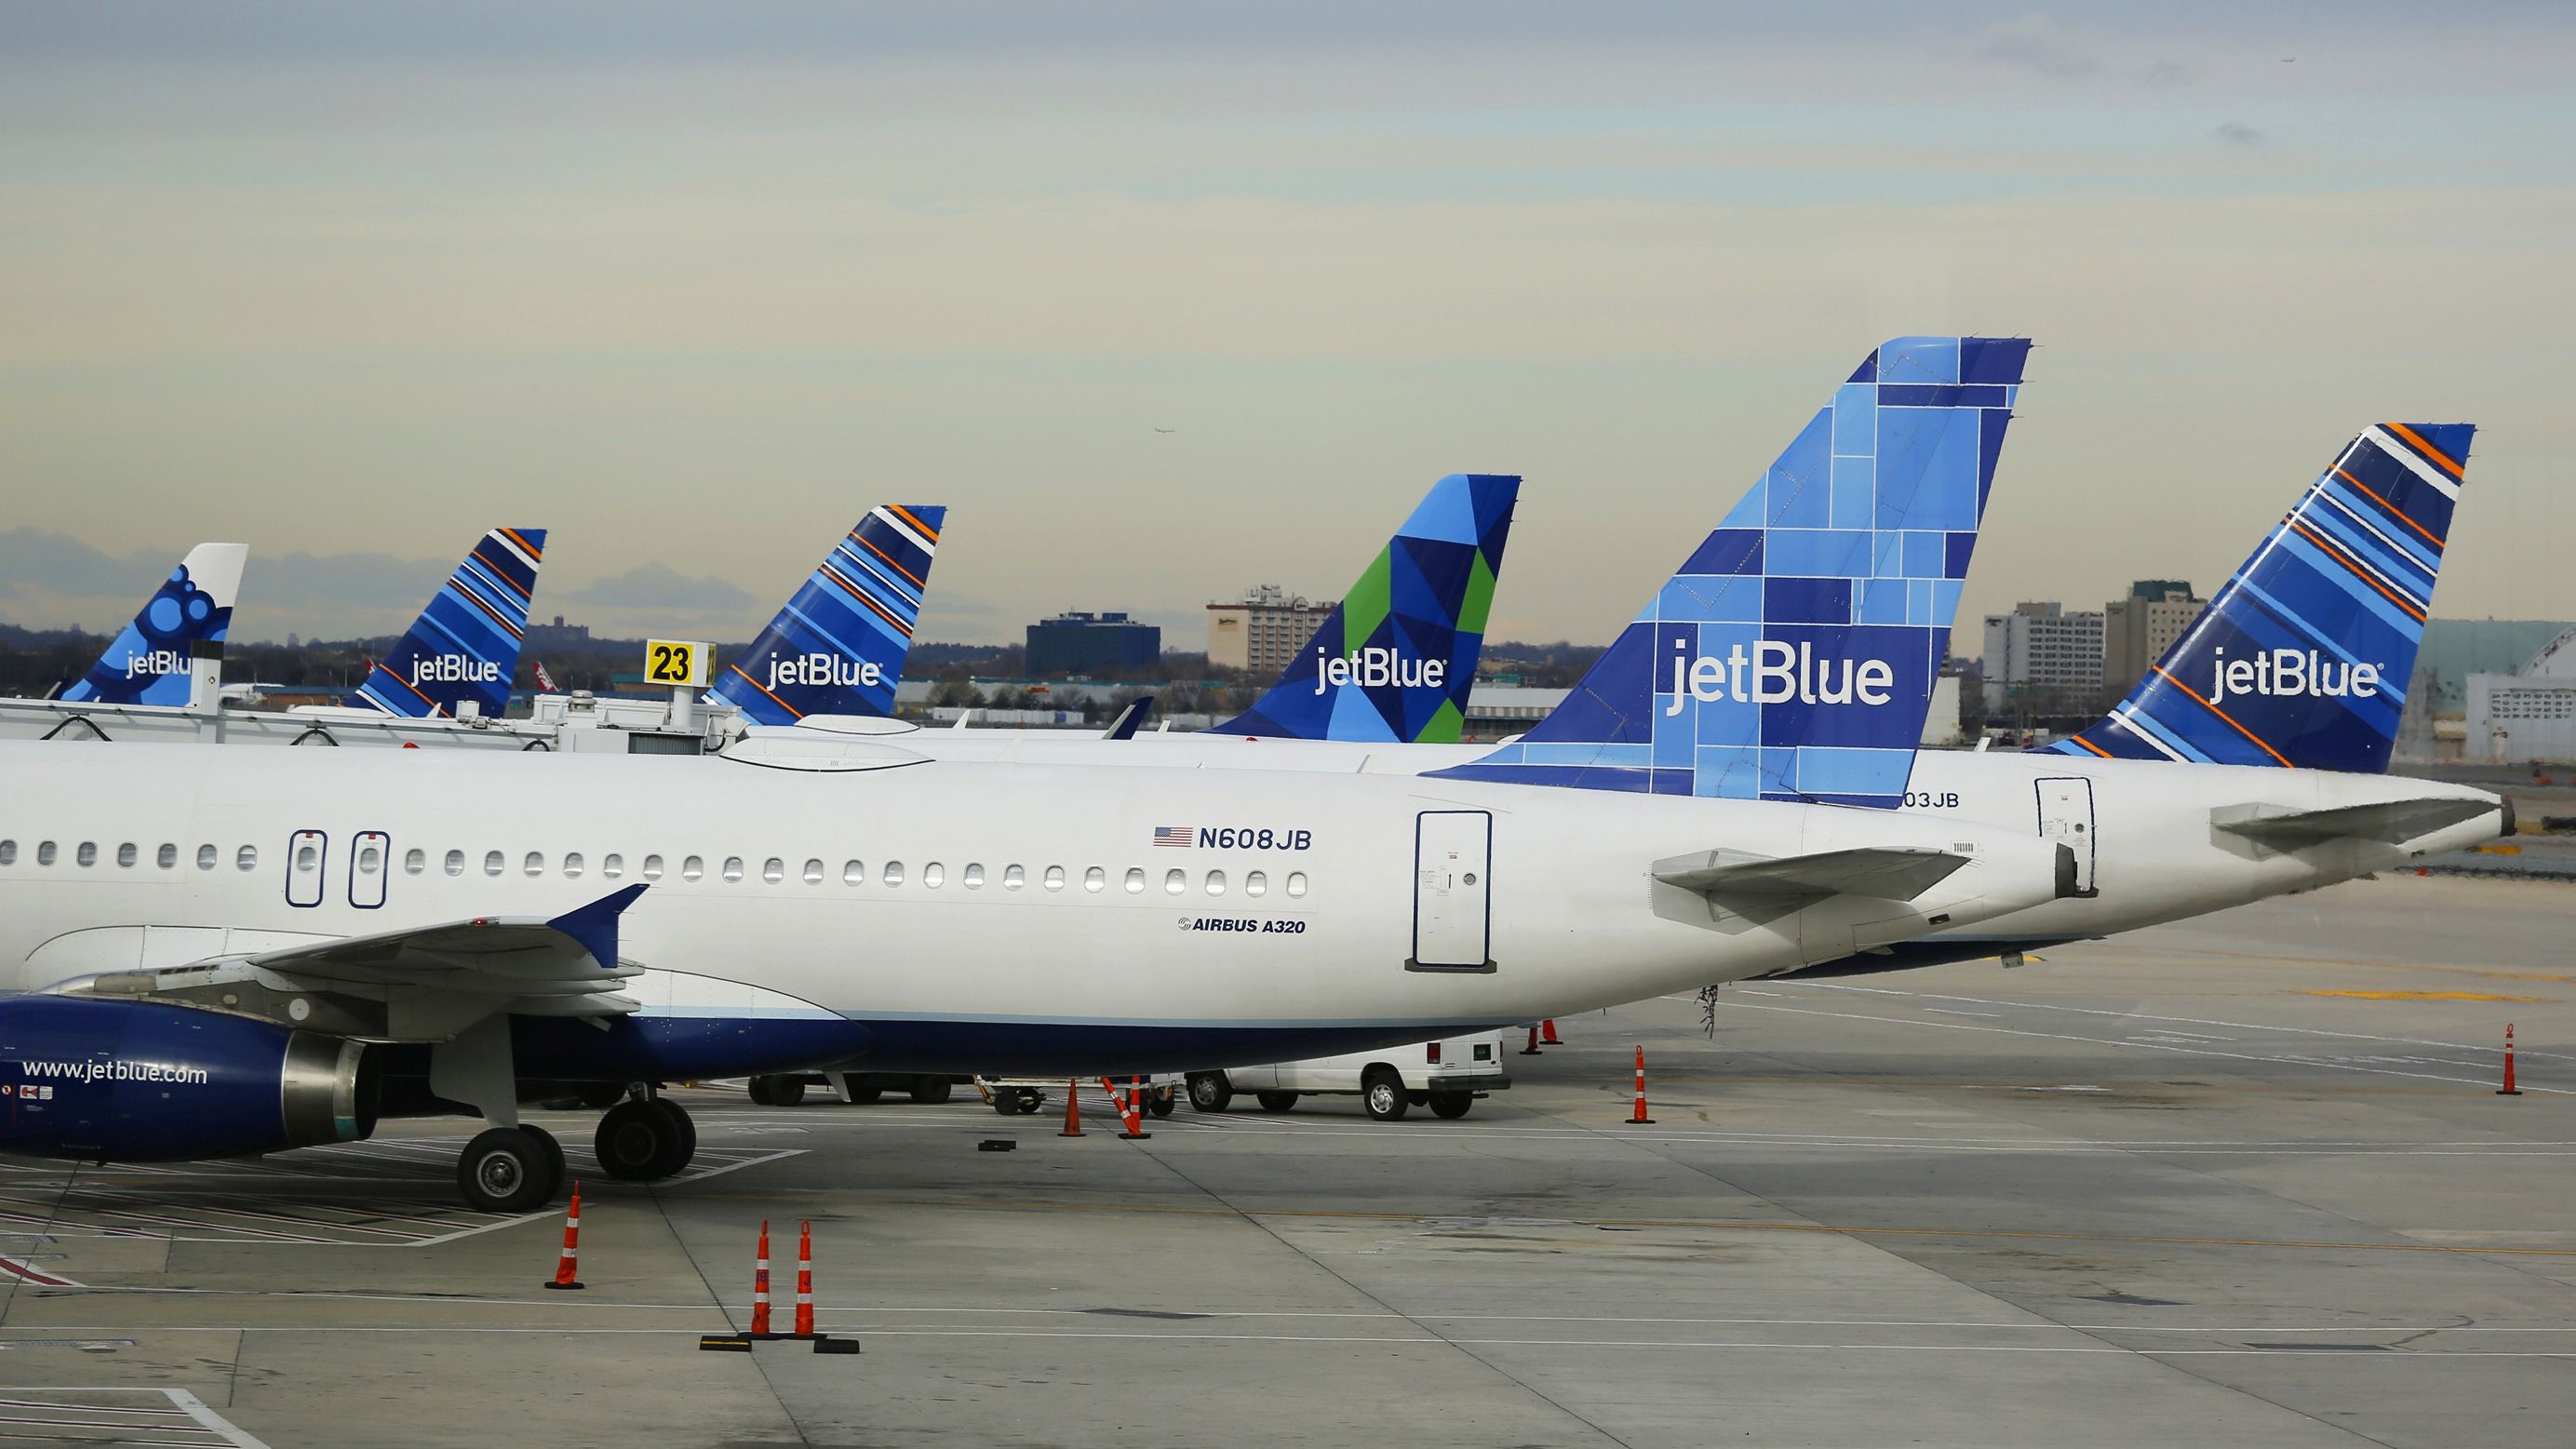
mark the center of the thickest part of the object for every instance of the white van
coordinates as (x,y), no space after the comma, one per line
(1447,1076)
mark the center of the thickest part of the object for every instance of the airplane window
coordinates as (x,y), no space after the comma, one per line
(1055,878)
(733,867)
(246,858)
(1175,882)
(8,852)
(692,868)
(1255,883)
(1013,877)
(167,857)
(773,870)
(854,872)
(368,860)
(572,865)
(1094,878)
(1135,881)
(933,873)
(454,864)
(125,855)
(88,854)
(205,857)
(974,876)
(492,862)
(894,872)
(612,865)
(1296,882)
(45,853)
(1216,883)
(415,861)
(535,864)
(813,872)
(652,867)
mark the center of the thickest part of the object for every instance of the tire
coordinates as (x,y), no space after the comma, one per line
(931,1091)
(636,1142)
(1383,1097)
(1210,1091)
(787,1091)
(1161,1100)
(764,1091)
(504,1170)
(1450,1106)
(1275,1101)
(1006,1101)
(1031,1099)
(684,1143)
(554,1156)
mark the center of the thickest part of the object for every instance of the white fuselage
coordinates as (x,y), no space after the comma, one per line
(872,883)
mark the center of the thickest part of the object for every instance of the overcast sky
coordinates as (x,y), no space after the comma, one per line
(694,286)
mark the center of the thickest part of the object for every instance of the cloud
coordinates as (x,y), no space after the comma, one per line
(652,585)
(2035,44)
(2237,133)
(38,559)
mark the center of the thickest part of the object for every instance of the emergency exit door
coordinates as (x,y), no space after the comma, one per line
(1452,891)
(2066,818)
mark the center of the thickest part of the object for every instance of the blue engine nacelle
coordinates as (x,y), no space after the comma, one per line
(139,1081)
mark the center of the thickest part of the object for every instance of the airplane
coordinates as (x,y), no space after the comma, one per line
(457,659)
(168,657)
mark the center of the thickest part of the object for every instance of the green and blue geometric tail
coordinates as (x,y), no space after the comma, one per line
(839,645)
(2304,657)
(1396,659)
(153,659)
(465,646)
(1794,654)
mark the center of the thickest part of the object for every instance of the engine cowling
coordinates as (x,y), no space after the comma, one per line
(125,1081)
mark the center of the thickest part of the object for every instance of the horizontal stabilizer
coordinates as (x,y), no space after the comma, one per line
(1894,873)
(2389,822)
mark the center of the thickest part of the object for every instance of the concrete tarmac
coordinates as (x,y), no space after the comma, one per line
(2243,1181)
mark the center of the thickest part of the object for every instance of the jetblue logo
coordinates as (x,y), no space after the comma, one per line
(454,669)
(155,664)
(1777,673)
(820,668)
(2291,673)
(1374,667)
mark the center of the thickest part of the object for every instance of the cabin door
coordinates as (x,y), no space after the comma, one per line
(1452,891)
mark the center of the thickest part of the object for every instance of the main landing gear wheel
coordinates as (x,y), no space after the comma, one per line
(554,1152)
(507,1170)
(787,1091)
(760,1093)
(688,1129)
(932,1090)
(1210,1091)
(641,1141)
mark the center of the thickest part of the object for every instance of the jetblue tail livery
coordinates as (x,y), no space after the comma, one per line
(1398,656)
(159,658)
(464,648)
(2303,659)
(1793,656)
(838,646)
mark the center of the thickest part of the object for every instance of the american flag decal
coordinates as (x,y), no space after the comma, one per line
(1183,835)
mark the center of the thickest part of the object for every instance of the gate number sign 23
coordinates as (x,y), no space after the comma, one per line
(675,662)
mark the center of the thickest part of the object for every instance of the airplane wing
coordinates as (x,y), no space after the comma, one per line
(1885,872)
(426,983)
(2391,822)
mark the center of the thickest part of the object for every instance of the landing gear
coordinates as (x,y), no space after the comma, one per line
(932,1090)
(640,1141)
(509,1169)
(1210,1091)
(554,1152)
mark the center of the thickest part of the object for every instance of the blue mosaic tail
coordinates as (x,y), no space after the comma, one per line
(1396,659)
(155,659)
(2304,657)
(464,648)
(838,646)
(1793,656)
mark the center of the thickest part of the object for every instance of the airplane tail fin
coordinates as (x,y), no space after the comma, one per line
(2304,657)
(1793,655)
(1124,726)
(464,648)
(1397,657)
(838,646)
(172,654)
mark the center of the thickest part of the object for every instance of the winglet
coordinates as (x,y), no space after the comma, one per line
(594,927)
(464,647)
(1124,727)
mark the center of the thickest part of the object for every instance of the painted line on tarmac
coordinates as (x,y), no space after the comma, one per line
(184,1406)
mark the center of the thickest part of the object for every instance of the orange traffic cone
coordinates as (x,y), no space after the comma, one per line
(1638,1118)
(1547,1033)
(566,1265)
(2508,1089)
(1531,1050)
(804,1280)
(1072,1111)
(1126,1106)
(760,1283)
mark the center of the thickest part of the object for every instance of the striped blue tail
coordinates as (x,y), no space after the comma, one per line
(152,660)
(2304,658)
(464,648)
(1794,654)
(839,645)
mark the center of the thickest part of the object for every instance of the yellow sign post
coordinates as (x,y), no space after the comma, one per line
(680,663)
